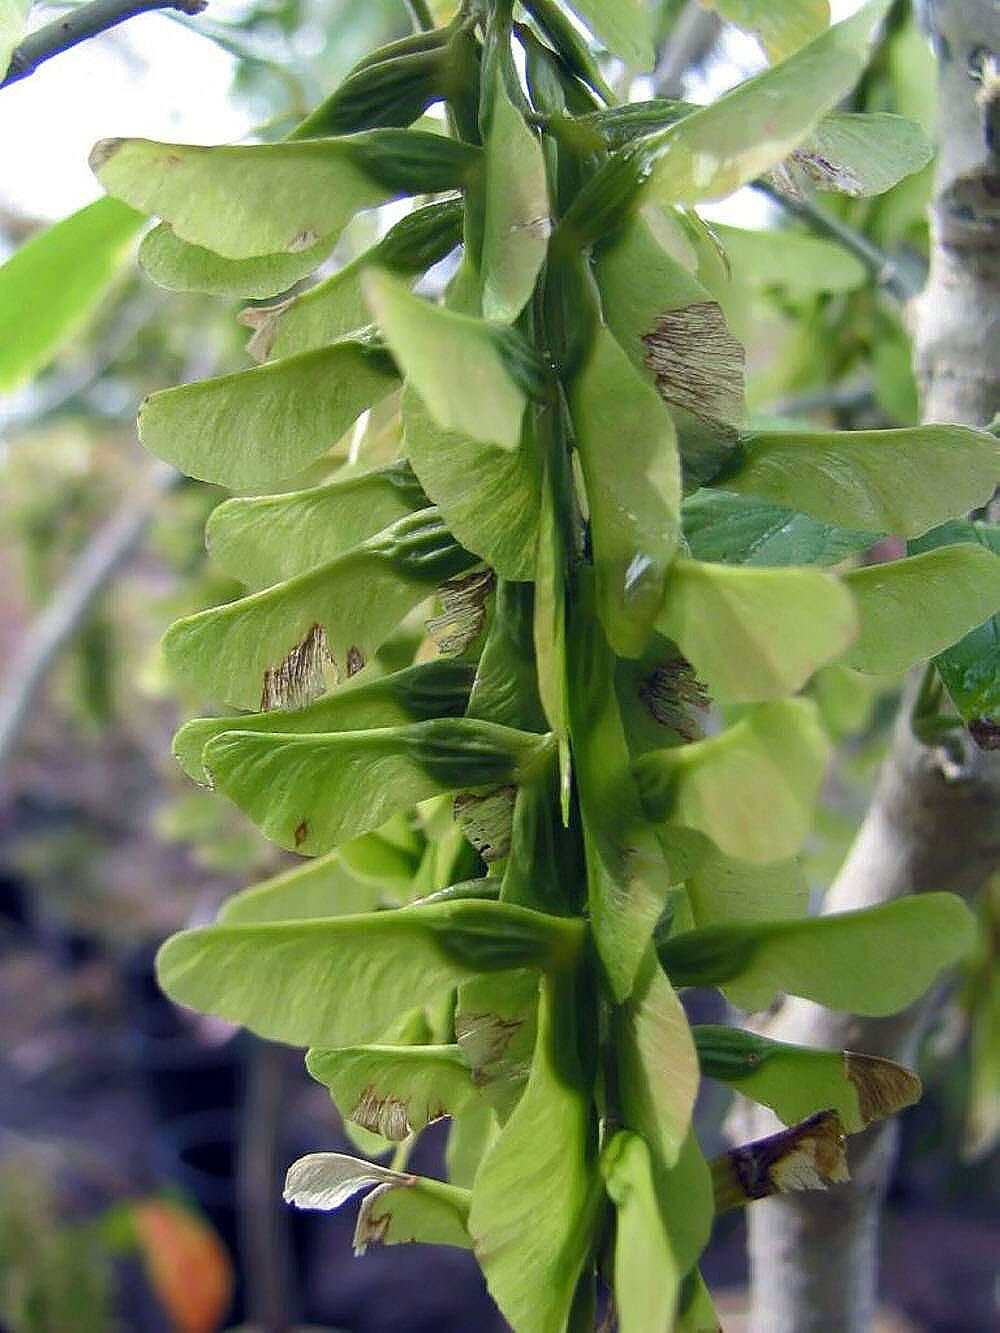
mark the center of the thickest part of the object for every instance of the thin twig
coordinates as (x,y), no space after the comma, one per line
(79,25)
(92,571)
(887,272)
(692,38)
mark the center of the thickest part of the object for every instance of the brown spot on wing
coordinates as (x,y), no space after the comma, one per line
(301,833)
(299,676)
(697,363)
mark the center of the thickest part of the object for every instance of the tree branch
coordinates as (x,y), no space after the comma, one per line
(93,570)
(78,25)
(887,272)
(934,822)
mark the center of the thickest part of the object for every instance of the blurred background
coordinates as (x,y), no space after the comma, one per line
(141,1147)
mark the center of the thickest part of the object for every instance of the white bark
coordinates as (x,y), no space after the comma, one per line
(934,822)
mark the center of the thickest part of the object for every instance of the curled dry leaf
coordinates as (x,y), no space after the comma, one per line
(808,1156)
(463,610)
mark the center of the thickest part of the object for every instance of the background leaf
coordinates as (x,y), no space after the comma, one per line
(744,530)
(53,283)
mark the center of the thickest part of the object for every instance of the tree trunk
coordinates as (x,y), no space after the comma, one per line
(935,819)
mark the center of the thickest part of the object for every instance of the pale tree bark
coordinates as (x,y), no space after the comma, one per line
(935,819)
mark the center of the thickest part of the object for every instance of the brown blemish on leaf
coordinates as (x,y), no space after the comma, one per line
(697,363)
(305,238)
(301,833)
(484,1039)
(670,691)
(298,678)
(371,1228)
(385,1115)
(102,153)
(487,820)
(463,610)
(810,1155)
(883,1087)
(355,660)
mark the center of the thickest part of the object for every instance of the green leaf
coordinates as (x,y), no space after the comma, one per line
(267,199)
(721,888)
(622,26)
(324,887)
(970,668)
(898,481)
(172,263)
(458,365)
(755,634)
(742,530)
(627,448)
(271,649)
(714,151)
(309,793)
(516,223)
(53,283)
(782,25)
(627,877)
(657,1063)
(336,306)
(488,496)
(344,980)
(534,1199)
(873,962)
(802,265)
(256,427)
(394,1090)
(798,1081)
(646,1276)
(434,689)
(861,155)
(751,789)
(911,609)
(13,16)
(674,333)
(263,539)
(400,1207)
